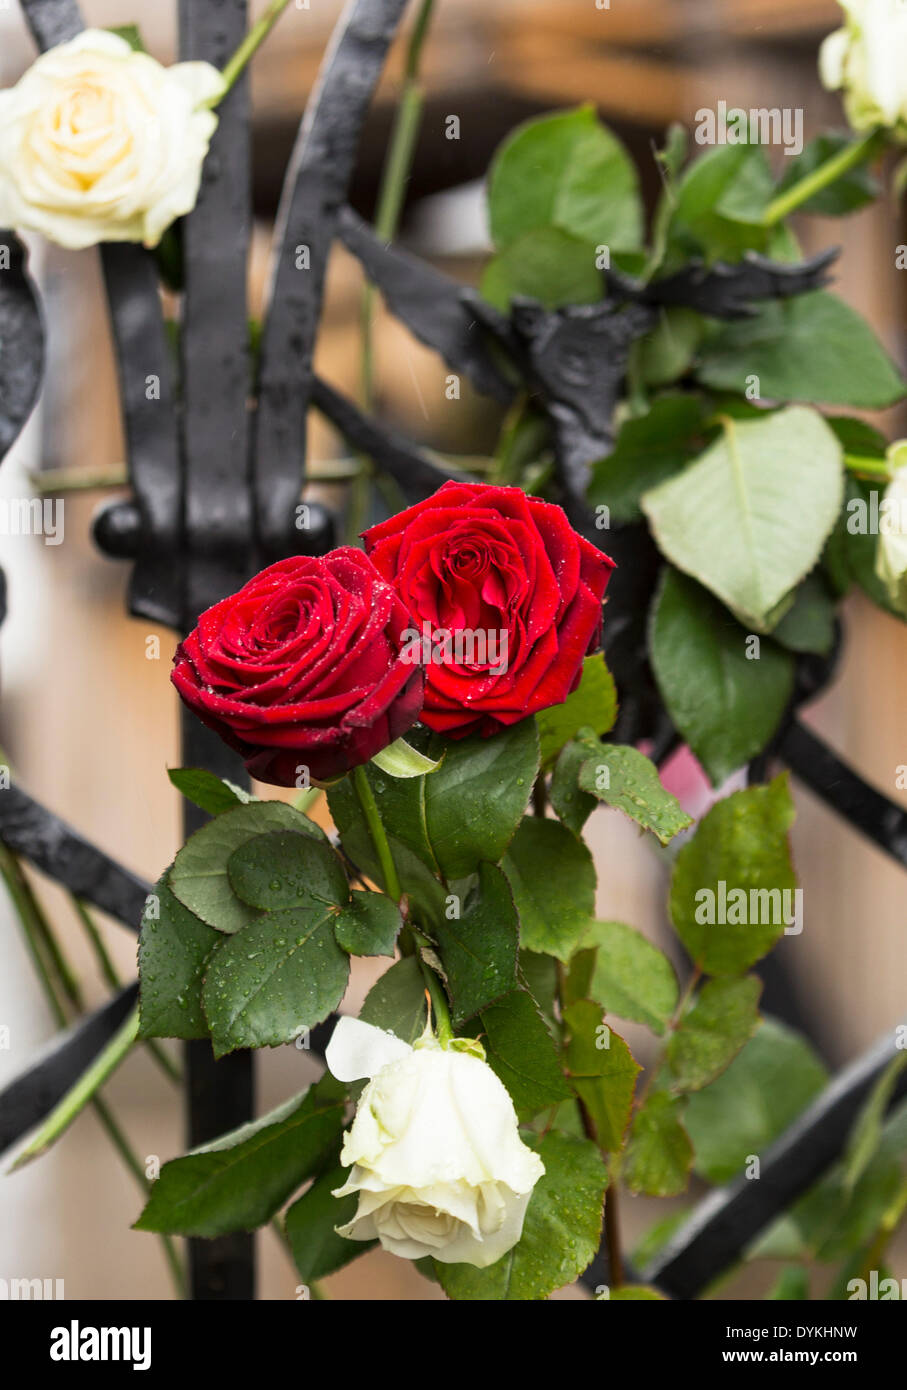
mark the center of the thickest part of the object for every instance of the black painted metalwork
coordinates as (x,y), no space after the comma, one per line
(215,488)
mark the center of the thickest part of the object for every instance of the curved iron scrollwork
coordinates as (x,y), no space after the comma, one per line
(216,484)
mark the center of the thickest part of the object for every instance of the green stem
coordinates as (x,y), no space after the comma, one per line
(8,864)
(249,46)
(362,788)
(394,177)
(868,467)
(841,163)
(83,1090)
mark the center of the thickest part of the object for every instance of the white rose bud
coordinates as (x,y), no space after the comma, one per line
(868,58)
(891,551)
(436,1155)
(100,143)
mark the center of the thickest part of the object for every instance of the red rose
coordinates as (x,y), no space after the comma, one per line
(303,668)
(490,564)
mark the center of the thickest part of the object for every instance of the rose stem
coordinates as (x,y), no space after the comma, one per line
(807,187)
(249,46)
(394,178)
(366,797)
(36,931)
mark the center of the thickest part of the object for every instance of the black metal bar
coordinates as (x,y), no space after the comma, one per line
(27,828)
(867,810)
(314,191)
(52,21)
(21,342)
(729,1219)
(27,1100)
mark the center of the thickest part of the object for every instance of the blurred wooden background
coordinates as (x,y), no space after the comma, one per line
(89,720)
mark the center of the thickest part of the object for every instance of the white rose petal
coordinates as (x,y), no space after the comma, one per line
(868,59)
(100,143)
(434,1151)
(891,550)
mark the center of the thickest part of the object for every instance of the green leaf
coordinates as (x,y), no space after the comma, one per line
(573,807)
(725,705)
(561,1231)
(174,948)
(567,171)
(624,778)
(547,265)
(709,1036)
(663,355)
(552,877)
(284,869)
(851,550)
(812,347)
(713,199)
(493,777)
(369,925)
(648,450)
(240,1180)
(592,705)
(479,949)
(199,875)
(632,978)
(396,1001)
(659,1155)
(765,1088)
(310,1222)
(400,759)
(791,1285)
(852,190)
(539,973)
(741,844)
(809,624)
(520,1050)
(203,789)
(749,518)
(866,1135)
(635,1293)
(604,1077)
(278,976)
(131,33)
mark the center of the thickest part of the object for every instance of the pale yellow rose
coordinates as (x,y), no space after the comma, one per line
(101,143)
(868,60)
(435,1151)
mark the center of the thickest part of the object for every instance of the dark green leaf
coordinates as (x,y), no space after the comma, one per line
(592,705)
(317,1248)
(765,1088)
(663,355)
(710,1035)
(553,881)
(240,1181)
(205,790)
(199,874)
(479,949)
(560,1236)
(520,1050)
(573,807)
(369,925)
(174,947)
(396,1002)
(547,265)
(791,1285)
(284,869)
(812,347)
(648,450)
(632,978)
(724,704)
(659,1155)
(624,778)
(278,976)
(809,625)
(602,1072)
(733,885)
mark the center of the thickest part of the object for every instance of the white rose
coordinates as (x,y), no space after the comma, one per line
(891,551)
(868,58)
(100,143)
(436,1155)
